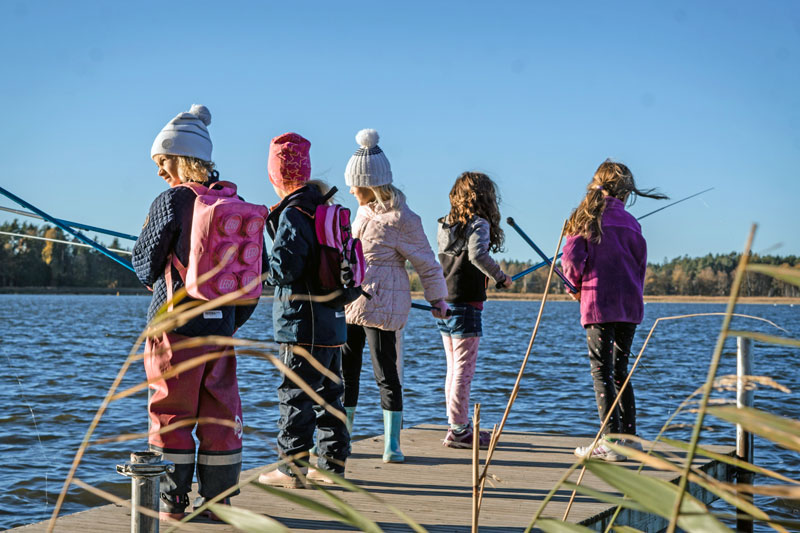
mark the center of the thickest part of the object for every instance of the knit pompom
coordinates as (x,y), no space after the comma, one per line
(202,113)
(367,138)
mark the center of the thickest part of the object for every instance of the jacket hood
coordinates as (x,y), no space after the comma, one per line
(307,198)
(450,238)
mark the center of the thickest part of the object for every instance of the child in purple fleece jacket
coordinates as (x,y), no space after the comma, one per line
(605,258)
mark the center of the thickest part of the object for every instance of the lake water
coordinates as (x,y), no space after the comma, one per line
(62,352)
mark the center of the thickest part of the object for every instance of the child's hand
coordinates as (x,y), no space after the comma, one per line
(507,282)
(440,309)
(575,295)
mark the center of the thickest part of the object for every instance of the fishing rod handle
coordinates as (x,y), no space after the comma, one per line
(424,307)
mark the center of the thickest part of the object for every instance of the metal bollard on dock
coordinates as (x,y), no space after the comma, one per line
(744,439)
(145,469)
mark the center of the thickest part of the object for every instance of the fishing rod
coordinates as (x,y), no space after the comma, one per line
(673,203)
(35,237)
(76,225)
(77,234)
(547,260)
(539,251)
(424,307)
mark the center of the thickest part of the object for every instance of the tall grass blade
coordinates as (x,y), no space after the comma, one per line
(787,274)
(551,525)
(626,529)
(248,521)
(763,337)
(658,497)
(780,430)
(303,501)
(354,517)
(339,480)
(731,460)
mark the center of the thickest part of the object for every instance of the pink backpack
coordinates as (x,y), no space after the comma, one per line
(341,259)
(224,229)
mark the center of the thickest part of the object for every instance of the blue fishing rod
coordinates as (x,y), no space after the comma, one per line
(76,225)
(539,251)
(77,234)
(548,260)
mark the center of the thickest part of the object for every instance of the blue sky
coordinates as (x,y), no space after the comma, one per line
(690,95)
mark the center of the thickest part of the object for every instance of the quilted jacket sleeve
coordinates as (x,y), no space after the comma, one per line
(157,239)
(414,246)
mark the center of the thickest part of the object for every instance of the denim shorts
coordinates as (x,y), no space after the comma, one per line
(464,322)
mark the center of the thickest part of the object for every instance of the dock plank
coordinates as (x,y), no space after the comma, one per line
(433,486)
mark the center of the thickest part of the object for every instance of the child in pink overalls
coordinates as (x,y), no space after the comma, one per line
(182,152)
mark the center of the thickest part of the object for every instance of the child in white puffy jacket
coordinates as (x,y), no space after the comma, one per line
(390,234)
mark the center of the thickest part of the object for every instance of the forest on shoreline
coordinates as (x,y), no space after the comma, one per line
(25,262)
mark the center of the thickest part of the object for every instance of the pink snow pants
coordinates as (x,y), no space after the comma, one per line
(207,390)
(462,354)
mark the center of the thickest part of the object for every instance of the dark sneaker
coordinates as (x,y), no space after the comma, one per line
(173,507)
(464,439)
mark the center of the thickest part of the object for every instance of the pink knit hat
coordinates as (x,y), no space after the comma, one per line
(289,165)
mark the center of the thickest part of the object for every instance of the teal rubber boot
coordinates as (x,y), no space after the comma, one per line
(392,423)
(351,414)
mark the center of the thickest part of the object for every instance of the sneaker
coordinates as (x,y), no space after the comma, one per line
(464,439)
(601,452)
(276,478)
(633,444)
(321,476)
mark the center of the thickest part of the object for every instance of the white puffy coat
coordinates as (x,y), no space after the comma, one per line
(390,237)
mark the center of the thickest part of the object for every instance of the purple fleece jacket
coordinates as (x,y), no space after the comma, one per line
(610,275)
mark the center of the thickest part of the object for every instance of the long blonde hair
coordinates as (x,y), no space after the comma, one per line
(474,193)
(388,196)
(610,179)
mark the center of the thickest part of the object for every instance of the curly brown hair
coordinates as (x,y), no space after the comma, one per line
(610,179)
(474,193)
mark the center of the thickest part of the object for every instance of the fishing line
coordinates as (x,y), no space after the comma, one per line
(20,235)
(35,427)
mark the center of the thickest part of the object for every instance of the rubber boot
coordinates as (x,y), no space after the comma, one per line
(392,422)
(351,413)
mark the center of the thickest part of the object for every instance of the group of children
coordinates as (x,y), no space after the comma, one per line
(604,258)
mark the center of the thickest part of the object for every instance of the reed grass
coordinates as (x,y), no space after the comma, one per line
(639,492)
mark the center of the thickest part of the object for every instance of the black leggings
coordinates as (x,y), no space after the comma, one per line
(609,347)
(384,364)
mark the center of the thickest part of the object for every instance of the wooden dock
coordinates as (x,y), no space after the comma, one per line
(433,487)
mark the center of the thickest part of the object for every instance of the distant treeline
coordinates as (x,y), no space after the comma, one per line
(27,262)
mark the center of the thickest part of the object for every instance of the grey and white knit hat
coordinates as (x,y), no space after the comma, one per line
(368,167)
(186,135)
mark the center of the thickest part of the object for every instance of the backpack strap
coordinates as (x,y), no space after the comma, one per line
(329,194)
(173,260)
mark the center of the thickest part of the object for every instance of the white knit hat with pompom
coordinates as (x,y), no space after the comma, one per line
(186,135)
(368,167)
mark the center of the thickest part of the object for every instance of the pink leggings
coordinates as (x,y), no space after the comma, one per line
(462,354)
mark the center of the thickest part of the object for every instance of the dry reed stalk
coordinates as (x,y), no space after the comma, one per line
(85,442)
(625,384)
(572,468)
(126,503)
(515,390)
(476,446)
(166,429)
(712,372)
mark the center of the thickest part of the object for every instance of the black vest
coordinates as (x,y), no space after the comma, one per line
(465,282)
